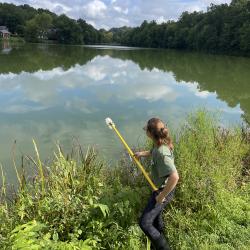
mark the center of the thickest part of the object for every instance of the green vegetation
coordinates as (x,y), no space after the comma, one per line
(222,29)
(77,202)
(13,40)
(37,25)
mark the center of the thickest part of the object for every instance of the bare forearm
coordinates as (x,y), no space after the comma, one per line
(171,183)
(145,153)
(142,154)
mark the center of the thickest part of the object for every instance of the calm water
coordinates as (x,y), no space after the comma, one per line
(55,93)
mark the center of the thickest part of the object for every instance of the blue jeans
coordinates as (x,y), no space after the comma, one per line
(151,221)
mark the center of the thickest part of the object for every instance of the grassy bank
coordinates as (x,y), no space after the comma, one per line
(77,202)
(13,39)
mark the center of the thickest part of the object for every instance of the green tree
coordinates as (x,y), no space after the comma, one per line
(106,36)
(68,31)
(37,28)
(90,34)
(31,31)
(245,37)
(44,22)
(239,2)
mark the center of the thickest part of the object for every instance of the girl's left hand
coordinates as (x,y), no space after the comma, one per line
(138,155)
(160,198)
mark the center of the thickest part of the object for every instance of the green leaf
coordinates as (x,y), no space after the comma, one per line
(104,208)
(55,236)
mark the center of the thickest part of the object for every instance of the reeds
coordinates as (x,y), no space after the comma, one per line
(79,201)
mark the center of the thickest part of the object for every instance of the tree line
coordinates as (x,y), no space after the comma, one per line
(221,29)
(36,25)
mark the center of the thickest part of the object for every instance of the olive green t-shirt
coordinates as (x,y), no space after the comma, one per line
(162,164)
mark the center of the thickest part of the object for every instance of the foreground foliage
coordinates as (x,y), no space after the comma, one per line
(79,203)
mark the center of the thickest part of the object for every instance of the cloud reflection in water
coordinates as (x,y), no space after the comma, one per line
(58,104)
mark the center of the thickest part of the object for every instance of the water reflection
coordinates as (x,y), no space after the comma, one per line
(56,93)
(6,47)
(228,77)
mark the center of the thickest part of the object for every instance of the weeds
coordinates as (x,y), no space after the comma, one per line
(77,202)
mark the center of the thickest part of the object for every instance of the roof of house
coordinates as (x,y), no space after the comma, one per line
(5,31)
(3,28)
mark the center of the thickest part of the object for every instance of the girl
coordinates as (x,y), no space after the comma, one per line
(164,176)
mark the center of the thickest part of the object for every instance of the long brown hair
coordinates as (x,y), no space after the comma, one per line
(159,132)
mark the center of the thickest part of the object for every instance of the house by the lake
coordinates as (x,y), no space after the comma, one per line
(4,32)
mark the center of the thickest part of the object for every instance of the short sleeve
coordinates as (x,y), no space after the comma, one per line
(167,166)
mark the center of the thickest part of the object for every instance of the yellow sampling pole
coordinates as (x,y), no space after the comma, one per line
(111,125)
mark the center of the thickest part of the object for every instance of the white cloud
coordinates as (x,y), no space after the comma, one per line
(193,8)
(208,2)
(123,21)
(193,87)
(116,74)
(161,19)
(48,75)
(120,10)
(151,93)
(94,72)
(61,8)
(80,105)
(235,110)
(202,94)
(95,9)
(55,6)
(125,11)
(92,23)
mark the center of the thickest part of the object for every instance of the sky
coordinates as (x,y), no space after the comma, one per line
(116,13)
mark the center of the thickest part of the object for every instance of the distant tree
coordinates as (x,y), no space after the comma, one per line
(239,2)
(44,22)
(67,30)
(31,31)
(90,34)
(37,24)
(37,28)
(105,36)
(245,37)
(223,28)
(120,34)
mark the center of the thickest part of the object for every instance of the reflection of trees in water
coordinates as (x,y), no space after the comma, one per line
(228,76)
(34,57)
(6,47)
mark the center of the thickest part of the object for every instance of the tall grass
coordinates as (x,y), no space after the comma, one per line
(211,209)
(77,202)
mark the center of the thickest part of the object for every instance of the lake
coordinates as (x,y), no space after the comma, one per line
(62,94)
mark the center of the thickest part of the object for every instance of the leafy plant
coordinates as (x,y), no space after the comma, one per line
(76,202)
